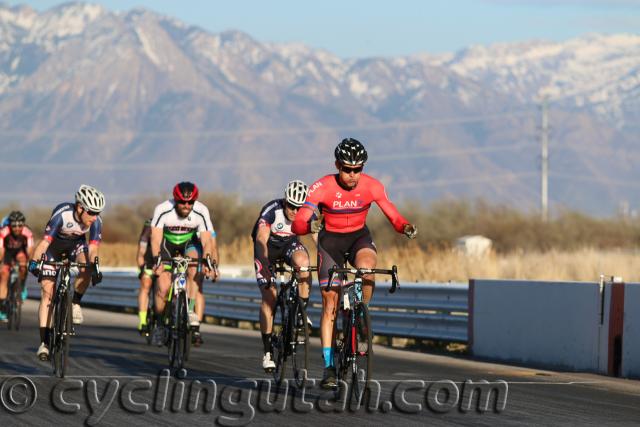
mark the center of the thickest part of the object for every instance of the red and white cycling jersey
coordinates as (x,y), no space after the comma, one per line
(24,241)
(346,211)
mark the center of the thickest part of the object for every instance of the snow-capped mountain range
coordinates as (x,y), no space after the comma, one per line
(124,96)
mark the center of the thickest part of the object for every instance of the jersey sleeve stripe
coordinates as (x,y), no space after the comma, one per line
(204,220)
(161,215)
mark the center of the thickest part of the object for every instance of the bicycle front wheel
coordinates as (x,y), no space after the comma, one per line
(299,343)
(362,347)
(11,308)
(178,340)
(61,334)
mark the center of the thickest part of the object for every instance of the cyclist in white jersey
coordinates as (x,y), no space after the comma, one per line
(182,226)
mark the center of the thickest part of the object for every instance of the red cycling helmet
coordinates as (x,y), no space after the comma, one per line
(185,192)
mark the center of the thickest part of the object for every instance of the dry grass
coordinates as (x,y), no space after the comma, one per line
(415,264)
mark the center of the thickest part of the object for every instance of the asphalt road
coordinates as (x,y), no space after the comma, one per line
(115,379)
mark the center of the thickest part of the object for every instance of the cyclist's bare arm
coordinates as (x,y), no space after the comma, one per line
(40,249)
(214,249)
(156,240)
(262,237)
(93,251)
(30,250)
(142,248)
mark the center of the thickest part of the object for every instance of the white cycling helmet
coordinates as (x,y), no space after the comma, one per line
(296,193)
(90,198)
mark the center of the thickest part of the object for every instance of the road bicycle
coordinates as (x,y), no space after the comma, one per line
(177,311)
(14,299)
(290,333)
(353,354)
(62,327)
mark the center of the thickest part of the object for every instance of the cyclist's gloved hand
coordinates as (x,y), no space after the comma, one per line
(410,230)
(316,225)
(33,267)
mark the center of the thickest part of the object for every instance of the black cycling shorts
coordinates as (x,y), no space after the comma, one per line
(334,247)
(55,251)
(276,252)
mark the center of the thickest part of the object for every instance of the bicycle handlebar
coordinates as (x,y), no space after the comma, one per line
(190,262)
(96,277)
(359,272)
(66,262)
(287,269)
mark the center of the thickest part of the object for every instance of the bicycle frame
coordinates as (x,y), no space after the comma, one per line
(62,311)
(14,299)
(286,341)
(355,315)
(179,342)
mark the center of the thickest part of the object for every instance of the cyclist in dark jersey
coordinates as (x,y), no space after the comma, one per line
(144,260)
(344,199)
(65,233)
(273,240)
(16,246)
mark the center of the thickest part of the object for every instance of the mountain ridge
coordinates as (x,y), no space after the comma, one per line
(80,84)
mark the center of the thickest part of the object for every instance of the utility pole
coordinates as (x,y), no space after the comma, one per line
(544,193)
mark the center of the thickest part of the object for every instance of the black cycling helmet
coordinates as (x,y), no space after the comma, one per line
(185,192)
(351,152)
(16,216)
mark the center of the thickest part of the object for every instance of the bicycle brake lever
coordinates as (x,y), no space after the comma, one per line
(332,272)
(394,279)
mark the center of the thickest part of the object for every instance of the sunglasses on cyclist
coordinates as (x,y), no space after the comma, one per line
(92,213)
(348,170)
(186,202)
(16,224)
(292,207)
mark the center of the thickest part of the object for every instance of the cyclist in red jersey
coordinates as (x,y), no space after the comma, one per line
(343,200)
(16,245)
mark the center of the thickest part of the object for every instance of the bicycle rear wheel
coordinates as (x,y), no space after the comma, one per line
(362,347)
(299,343)
(341,356)
(279,338)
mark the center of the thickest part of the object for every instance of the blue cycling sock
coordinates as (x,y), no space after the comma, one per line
(327,354)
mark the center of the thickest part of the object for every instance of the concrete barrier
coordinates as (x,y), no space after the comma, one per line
(552,324)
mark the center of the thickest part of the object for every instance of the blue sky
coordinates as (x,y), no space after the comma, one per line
(355,28)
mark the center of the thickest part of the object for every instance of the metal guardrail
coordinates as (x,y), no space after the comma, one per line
(416,310)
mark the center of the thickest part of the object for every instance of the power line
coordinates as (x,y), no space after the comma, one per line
(510,176)
(146,166)
(132,134)
(599,180)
